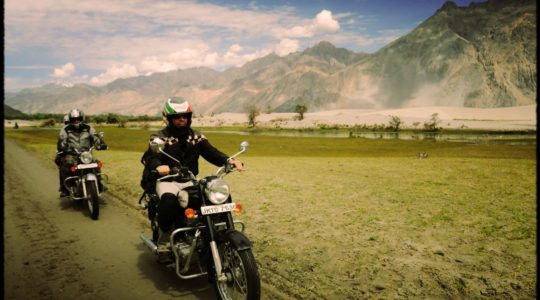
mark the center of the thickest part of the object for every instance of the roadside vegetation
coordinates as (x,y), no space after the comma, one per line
(352,218)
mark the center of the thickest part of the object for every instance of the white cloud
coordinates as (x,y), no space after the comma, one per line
(235,48)
(152,64)
(323,23)
(64,71)
(235,59)
(114,73)
(129,38)
(286,46)
(192,57)
(181,59)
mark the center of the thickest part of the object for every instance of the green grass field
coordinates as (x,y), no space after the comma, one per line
(349,218)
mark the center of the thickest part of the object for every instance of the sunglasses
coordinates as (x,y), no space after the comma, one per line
(180,117)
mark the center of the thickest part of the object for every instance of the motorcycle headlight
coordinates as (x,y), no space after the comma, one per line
(217,190)
(86,157)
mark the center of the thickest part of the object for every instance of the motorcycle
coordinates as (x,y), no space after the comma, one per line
(209,244)
(86,179)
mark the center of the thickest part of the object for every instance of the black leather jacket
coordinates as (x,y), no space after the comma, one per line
(185,148)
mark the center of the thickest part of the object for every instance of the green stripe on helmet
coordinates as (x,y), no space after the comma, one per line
(169,108)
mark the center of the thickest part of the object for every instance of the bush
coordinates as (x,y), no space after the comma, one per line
(433,123)
(252,112)
(394,123)
(300,109)
(48,123)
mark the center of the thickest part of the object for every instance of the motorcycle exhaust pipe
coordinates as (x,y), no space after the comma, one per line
(148,242)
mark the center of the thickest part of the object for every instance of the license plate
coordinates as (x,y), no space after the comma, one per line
(87,166)
(216,209)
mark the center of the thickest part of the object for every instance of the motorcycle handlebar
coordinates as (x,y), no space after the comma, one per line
(168,176)
(74,151)
(175,172)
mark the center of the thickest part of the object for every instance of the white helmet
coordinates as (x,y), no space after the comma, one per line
(76,117)
(176,106)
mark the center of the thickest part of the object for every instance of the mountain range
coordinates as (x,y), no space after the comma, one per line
(483,55)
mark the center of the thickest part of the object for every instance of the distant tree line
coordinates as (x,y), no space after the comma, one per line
(109,118)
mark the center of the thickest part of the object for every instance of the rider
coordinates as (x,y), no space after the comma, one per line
(75,135)
(186,145)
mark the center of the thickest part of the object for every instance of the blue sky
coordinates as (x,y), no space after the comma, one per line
(98,41)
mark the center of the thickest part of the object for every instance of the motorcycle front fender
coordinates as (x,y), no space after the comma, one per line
(90,177)
(238,240)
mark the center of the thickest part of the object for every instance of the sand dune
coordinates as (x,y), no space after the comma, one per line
(509,118)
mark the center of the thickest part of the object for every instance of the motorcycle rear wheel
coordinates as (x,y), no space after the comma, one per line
(243,280)
(92,200)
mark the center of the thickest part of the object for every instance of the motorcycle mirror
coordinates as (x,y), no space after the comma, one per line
(157,145)
(101,134)
(244,145)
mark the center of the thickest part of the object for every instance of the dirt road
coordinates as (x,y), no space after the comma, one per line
(53,250)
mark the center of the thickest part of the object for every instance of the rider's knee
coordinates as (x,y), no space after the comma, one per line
(168,200)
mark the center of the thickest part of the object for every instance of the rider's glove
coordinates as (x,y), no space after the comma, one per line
(101,147)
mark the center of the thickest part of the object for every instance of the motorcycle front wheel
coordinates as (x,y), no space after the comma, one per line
(92,200)
(239,267)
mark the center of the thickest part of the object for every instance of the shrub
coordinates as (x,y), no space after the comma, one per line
(432,124)
(394,123)
(252,112)
(300,109)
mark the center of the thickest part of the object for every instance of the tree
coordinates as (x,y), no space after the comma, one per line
(113,118)
(394,123)
(252,112)
(300,109)
(433,123)
(99,119)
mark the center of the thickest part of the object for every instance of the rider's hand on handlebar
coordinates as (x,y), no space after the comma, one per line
(163,170)
(237,164)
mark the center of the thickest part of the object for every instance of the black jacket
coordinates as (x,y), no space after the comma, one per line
(185,148)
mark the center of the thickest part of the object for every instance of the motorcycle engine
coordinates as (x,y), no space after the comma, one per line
(183,250)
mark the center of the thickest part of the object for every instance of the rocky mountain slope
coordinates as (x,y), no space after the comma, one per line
(8,110)
(483,55)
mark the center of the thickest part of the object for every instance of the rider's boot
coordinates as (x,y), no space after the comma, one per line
(63,191)
(164,239)
(163,244)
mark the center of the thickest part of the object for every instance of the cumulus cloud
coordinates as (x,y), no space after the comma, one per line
(64,71)
(323,23)
(152,64)
(122,38)
(115,72)
(286,46)
(181,59)
(235,48)
(235,58)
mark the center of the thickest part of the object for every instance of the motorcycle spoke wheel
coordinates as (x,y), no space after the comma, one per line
(242,276)
(93,200)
